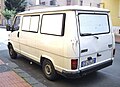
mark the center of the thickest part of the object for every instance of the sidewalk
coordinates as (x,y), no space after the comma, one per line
(10,73)
(12,76)
(9,78)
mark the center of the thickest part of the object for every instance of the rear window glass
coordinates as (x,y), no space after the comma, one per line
(93,24)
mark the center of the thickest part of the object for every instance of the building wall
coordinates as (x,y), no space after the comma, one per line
(43,3)
(73,2)
(94,3)
(31,2)
(1,8)
(114,7)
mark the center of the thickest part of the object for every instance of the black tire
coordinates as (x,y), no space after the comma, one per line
(12,53)
(49,70)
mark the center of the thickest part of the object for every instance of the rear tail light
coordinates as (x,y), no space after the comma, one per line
(74,64)
(113,52)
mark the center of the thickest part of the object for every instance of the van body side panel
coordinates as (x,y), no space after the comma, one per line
(13,38)
(49,44)
(71,43)
(28,45)
(60,49)
(28,35)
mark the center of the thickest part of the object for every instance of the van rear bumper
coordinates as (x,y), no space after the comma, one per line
(86,71)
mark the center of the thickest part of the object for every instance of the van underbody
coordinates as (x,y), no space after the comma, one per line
(87,70)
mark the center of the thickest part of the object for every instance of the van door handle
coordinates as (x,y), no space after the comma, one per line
(18,34)
(84,50)
(109,45)
(98,55)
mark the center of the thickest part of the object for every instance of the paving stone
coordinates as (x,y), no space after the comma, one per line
(11,79)
(19,71)
(4,68)
(24,75)
(12,65)
(1,62)
(39,85)
(31,80)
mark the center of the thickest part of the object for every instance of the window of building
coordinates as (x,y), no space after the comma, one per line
(52,2)
(90,4)
(43,3)
(81,2)
(40,2)
(53,24)
(98,5)
(68,2)
(102,5)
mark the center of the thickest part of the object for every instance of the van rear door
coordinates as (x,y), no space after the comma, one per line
(95,38)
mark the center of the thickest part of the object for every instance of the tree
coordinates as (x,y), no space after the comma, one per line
(15,5)
(8,14)
(12,7)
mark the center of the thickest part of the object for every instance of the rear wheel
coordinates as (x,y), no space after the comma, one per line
(49,70)
(12,53)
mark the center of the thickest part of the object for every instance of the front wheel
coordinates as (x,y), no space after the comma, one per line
(49,70)
(12,53)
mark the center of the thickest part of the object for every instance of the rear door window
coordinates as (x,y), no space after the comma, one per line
(92,24)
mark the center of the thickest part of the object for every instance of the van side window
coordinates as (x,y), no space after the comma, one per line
(30,23)
(34,23)
(53,24)
(26,23)
(16,24)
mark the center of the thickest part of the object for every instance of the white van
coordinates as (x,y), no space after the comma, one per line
(70,40)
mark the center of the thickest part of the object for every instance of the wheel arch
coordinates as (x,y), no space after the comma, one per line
(9,43)
(43,57)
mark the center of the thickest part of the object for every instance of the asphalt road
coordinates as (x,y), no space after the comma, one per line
(108,77)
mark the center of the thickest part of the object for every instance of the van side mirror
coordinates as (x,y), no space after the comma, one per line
(8,27)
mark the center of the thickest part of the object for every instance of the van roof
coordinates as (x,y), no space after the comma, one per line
(65,8)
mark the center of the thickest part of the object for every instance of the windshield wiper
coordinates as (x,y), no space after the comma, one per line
(87,34)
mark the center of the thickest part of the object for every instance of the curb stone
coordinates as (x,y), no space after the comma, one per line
(28,78)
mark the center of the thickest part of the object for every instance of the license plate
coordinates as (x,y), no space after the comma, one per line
(88,62)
